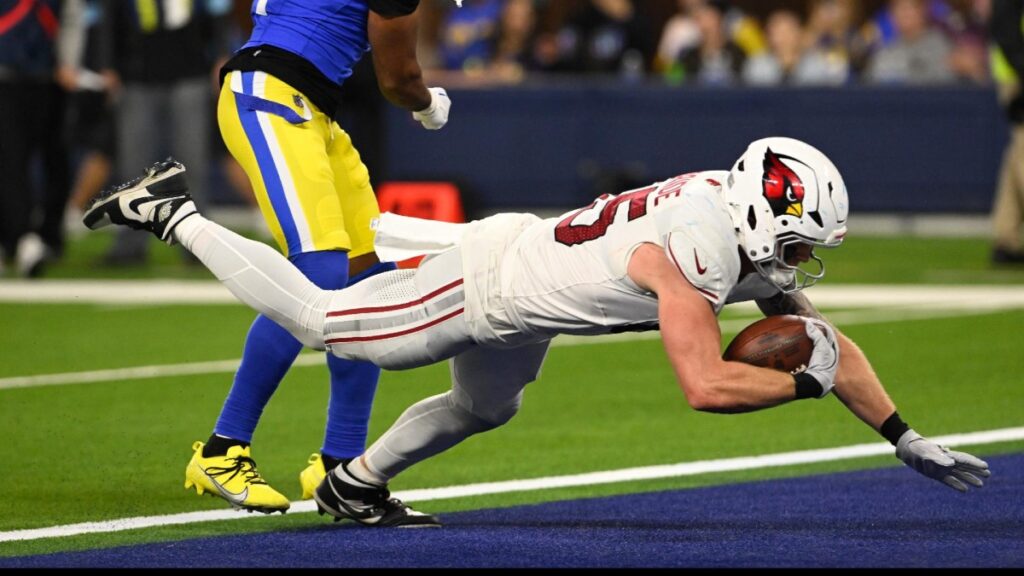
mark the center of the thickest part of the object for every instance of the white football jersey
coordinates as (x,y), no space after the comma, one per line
(528,279)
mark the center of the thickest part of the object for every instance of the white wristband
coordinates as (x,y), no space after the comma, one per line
(435,116)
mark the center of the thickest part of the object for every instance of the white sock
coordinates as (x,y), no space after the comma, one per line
(187,230)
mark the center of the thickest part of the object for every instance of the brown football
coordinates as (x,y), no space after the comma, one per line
(778,342)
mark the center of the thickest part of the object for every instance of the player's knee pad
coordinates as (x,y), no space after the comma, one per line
(491,413)
(441,416)
(499,416)
(521,374)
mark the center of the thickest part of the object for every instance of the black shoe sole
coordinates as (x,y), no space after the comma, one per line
(267,511)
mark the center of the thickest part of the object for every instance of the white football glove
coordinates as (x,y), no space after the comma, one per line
(947,466)
(825,358)
(435,116)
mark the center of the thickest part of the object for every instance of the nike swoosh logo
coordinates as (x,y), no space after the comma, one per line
(134,205)
(236,499)
(700,269)
(133,209)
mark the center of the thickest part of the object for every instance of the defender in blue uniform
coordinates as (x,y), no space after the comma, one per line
(279,95)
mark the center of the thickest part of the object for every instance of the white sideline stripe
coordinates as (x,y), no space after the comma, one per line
(141,372)
(127,292)
(732,326)
(570,481)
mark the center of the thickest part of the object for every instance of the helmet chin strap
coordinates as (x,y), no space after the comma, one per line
(784,280)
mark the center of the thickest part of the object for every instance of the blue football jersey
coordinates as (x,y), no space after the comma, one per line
(330,34)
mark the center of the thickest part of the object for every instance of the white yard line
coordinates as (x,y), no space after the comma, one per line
(115,292)
(570,481)
(140,373)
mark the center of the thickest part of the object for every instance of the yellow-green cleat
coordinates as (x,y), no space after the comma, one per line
(234,478)
(312,476)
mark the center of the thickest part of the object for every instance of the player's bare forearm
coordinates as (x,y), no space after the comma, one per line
(692,340)
(735,387)
(399,75)
(857,385)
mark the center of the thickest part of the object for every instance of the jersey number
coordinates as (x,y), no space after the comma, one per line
(573,235)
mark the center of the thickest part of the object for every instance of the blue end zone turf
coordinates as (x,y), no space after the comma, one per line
(889,517)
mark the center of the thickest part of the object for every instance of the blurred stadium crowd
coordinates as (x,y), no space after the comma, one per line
(714,42)
(93,90)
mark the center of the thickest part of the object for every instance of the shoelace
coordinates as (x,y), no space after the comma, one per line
(243,465)
(135,181)
(126,185)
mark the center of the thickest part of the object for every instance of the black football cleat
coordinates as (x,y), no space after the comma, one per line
(344,497)
(157,201)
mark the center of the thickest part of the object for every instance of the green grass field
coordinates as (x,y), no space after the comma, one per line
(117,449)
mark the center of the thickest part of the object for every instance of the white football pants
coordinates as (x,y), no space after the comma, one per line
(397,320)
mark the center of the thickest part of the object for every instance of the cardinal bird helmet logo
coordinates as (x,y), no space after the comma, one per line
(782,187)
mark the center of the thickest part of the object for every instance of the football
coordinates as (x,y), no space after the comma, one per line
(778,342)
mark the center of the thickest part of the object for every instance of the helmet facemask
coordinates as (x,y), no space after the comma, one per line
(790,278)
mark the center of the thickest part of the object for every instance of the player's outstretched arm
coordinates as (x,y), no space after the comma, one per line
(693,342)
(393,37)
(859,388)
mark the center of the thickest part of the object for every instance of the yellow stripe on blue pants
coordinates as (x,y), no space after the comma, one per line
(312,187)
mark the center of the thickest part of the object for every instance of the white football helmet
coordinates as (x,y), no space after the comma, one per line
(783,192)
